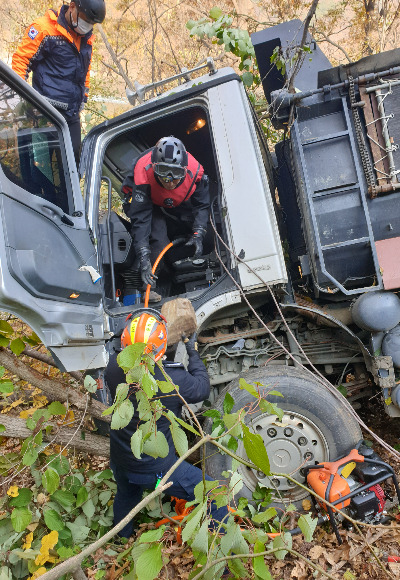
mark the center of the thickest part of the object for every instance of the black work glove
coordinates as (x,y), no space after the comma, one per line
(190,343)
(197,241)
(145,267)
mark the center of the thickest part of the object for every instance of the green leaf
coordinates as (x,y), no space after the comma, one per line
(284,542)
(255,449)
(79,532)
(213,413)
(349,575)
(30,423)
(233,424)
(4,341)
(53,520)
(166,386)
(59,463)
(81,496)
(200,541)
(32,339)
(5,327)
(275,393)
(88,509)
(66,499)
(271,409)
(136,443)
(152,535)
(122,415)
(20,518)
(233,541)
(57,408)
(149,385)
(105,496)
(262,517)
(65,553)
(193,520)
(17,346)
(30,456)
(6,387)
(156,445)
(260,568)
(5,573)
(90,384)
(50,480)
(237,568)
(179,438)
(130,356)
(215,13)
(149,564)
(244,385)
(2,428)
(247,78)
(229,402)
(307,524)
(23,498)
(187,426)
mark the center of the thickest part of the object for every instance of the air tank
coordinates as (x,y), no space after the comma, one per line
(391,345)
(376,311)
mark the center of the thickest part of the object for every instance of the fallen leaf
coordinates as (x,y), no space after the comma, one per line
(13,491)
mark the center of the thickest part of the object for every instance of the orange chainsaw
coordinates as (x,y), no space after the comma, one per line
(352,484)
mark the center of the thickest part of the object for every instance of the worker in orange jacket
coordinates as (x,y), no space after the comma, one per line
(57,48)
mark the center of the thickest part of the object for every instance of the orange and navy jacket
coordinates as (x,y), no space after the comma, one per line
(189,201)
(59,60)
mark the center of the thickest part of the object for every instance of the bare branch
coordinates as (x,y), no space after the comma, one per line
(327,39)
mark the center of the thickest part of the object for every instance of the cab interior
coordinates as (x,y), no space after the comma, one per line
(180,274)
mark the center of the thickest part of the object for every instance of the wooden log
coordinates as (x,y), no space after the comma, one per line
(95,444)
(181,319)
(53,389)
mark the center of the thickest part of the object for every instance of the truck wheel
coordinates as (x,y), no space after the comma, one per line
(314,428)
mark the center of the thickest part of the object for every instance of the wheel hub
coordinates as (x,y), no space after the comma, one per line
(291,445)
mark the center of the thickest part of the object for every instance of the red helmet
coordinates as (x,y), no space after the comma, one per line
(148,327)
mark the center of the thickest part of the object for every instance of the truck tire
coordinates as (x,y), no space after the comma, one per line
(315,428)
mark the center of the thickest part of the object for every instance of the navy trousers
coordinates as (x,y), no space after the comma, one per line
(130,488)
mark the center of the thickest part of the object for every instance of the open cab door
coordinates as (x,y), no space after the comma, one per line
(44,236)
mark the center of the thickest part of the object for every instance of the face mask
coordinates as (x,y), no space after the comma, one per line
(81,27)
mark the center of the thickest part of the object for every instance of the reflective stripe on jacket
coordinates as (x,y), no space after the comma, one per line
(58,58)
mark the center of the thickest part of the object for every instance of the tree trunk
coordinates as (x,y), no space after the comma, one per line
(54,390)
(95,444)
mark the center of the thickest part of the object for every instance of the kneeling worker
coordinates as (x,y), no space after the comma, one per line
(132,475)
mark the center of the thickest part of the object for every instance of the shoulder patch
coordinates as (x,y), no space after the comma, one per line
(33,32)
(139,198)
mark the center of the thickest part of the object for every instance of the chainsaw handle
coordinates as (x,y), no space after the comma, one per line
(333,467)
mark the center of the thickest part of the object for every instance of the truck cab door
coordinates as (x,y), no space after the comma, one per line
(44,237)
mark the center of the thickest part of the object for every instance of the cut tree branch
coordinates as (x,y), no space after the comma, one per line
(95,444)
(54,390)
(36,354)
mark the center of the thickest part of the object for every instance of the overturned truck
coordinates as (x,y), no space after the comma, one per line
(301,265)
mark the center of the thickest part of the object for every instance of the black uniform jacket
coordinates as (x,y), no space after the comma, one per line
(194,386)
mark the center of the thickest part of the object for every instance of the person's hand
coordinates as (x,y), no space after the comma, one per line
(145,269)
(197,241)
(190,343)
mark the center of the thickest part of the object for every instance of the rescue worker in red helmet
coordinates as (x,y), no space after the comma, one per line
(134,476)
(57,48)
(166,196)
